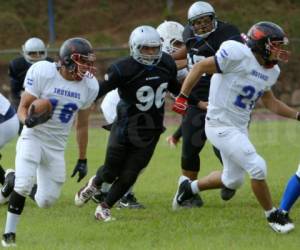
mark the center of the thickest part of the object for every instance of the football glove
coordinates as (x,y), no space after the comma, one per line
(36,119)
(80,168)
(180,105)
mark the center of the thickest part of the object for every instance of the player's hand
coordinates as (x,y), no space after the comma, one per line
(36,119)
(180,105)
(202,105)
(80,168)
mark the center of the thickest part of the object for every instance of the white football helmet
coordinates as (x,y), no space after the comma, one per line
(34,50)
(145,36)
(200,9)
(170,32)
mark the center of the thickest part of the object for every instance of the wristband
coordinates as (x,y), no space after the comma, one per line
(82,161)
(182,95)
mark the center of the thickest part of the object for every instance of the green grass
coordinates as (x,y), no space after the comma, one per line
(238,224)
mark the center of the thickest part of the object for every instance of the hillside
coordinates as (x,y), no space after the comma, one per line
(108,24)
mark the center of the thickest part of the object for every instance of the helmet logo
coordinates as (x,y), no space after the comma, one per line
(257,34)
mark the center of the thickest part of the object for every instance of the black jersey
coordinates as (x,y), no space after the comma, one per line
(142,90)
(199,48)
(17,70)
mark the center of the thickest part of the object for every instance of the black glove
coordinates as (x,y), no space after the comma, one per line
(81,168)
(36,119)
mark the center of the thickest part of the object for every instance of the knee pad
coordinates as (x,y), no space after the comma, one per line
(257,168)
(191,163)
(46,201)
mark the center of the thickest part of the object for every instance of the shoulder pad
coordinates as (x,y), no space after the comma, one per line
(45,68)
(235,50)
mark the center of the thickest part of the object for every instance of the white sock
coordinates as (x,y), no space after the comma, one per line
(12,221)
(194,187)
(267,213)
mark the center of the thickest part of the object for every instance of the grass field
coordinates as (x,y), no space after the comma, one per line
(237,224)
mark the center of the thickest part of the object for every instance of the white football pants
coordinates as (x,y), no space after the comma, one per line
(238,154)
(37,163)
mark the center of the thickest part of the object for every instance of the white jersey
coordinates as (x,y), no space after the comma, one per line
(234,92)
(43,80)
(109,106)
(4,104)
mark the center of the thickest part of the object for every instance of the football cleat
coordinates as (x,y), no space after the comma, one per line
(103,213)
(183,193)
(8,186)
(85,193)
(129,201)
(194,202)
(227,193)
(280,222)
(9,240)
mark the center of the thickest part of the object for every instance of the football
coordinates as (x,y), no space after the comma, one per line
(41,106)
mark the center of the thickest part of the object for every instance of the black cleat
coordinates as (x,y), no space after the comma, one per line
(194,202)
(183,193)
(280,222)
(129,201)
(227,193)
(9,240)
(8,185)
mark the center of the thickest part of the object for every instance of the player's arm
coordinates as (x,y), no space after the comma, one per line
(82,124)
(278,107)
(110,82)
(26,100)
(208,66)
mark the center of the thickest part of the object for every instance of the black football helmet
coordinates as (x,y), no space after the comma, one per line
(267,39)
(76,54)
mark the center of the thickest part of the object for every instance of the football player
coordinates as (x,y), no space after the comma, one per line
(71,88)
(142,80)
(243,73)
(9,126)
(170,33)
(33,50)
(203,36)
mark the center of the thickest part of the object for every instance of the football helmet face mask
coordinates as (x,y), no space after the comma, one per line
(268,40)
(171,36)
(202,19)
(77,56)
(145,45)
(34,50)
